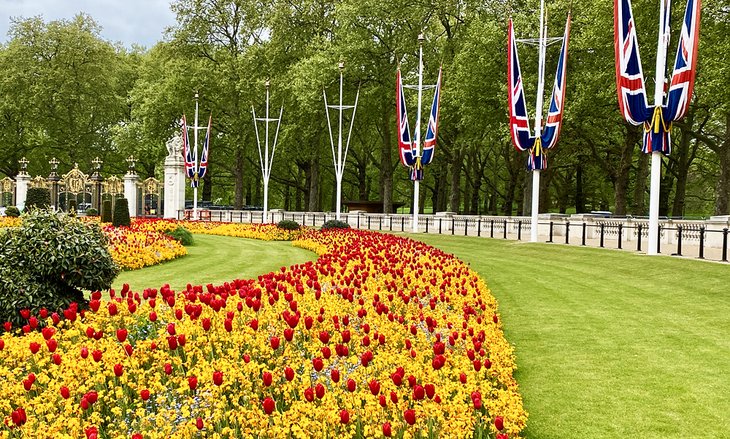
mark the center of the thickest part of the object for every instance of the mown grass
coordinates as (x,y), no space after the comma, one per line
(611,344)
(216,259)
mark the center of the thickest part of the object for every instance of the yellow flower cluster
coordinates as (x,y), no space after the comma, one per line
(9,221)
(381,336)
(133,247)
(264,232)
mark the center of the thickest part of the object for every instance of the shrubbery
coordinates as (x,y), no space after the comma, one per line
(106,211)
(48,261)
(12,211)
(38,197)
(181,235)
(335,224)
(288,225)
(92,212)
(121,213)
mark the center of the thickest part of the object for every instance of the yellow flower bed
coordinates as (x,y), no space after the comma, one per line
(380,336)
(133,248)
(9,221)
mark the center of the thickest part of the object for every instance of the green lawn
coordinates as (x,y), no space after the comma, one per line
(216,259)
(611,344)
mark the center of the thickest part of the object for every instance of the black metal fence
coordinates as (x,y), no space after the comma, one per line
(689,240)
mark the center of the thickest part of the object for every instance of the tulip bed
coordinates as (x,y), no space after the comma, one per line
(381,336)
(137,246)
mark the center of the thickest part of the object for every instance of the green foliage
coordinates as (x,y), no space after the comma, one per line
(72,206)
(182,235)
(106,211)
(121,213)
(92,212)
(38,197)
(48,261)
(288,225)
(335,224)
(12,211)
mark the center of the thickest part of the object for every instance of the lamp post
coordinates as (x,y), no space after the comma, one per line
(97,179)
(266,159)
(339,159)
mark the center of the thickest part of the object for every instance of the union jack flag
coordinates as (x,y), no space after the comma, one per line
(203,167)
(657,120)
(429,143)
(522,137)
(554,122)
(405,143)
(190,170)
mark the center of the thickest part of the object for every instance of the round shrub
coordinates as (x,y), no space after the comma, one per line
(106,211)
(92,212)
(288,225)
(48,261)
(38,198)
(12,211)
(121,213)
(335,224)
(181,235)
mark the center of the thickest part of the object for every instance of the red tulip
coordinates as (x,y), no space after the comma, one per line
(171,328)
(351,385)
(206,324)
(382,401)
(118,370)
(462,378)
(35,347)
(410,416)
(495,319)
(418,393)
(269,405)
(8,326)
(499,423)
(112,308)
(199,423)
(267,377)
(430,390)
(18,416)
(52,344)
(387,431)
(121,335)
(217,378)
(344,416)
(137,436)
(309,394)
(274,343)
(144,394)
(65,393)
(168,368)
(153,316)
(92,396)
(289,373)
(374,387)
(335,375)
(502,436)
(96,355)
(84,352)
(192,382)
(2,344)
(172,342)
(56,359)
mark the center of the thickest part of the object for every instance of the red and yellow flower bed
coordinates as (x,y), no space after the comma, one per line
(381,336)
(136,247)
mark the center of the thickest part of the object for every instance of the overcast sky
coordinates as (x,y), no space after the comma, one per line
(129,21)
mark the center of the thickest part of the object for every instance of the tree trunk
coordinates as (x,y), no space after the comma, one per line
(722,191)
(313,186)
(454,180)
(642,172)
(476,183)
(621,183)
(386,162)
(207,186)
(580,198)
(683,158)
(238,177)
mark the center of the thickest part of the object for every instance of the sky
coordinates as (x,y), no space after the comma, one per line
(130,22)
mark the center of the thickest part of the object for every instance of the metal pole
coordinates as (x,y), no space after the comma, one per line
(417,142)
(267,168)
(542,46)
(656,158)
(195,160)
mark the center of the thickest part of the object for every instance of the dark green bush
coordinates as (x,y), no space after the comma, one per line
(48,261)
(335,224)
(72,206)
(121,213)
(92,212)
(182,235)
(288,225)
(106,211)
(38,198)
(12,211)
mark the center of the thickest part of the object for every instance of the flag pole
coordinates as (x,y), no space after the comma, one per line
(542,46)
(656,156)
(266,159)
(195,160)
(417,140)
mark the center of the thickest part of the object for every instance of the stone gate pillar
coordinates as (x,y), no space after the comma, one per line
(130,187)
(174,195)
(22,181)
